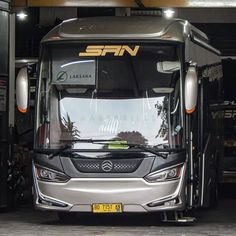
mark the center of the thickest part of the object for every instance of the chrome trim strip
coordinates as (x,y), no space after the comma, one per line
(167,168)
(196,30)
(205,45)
(229,173)
(42,196)
(176,107)
(203,169)
(176,193)
(191,168)
(203,178)
(228,57)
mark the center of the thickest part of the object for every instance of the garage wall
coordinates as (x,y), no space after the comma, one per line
(205,15)
(48,16)
(4,76)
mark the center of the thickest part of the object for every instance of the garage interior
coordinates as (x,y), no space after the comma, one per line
(23,24)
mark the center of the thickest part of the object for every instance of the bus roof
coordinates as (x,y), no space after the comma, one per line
(129,27)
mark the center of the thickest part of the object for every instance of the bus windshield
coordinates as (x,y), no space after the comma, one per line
(115,95)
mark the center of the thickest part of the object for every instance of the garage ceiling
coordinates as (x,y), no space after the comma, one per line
(218,23)
(124,3)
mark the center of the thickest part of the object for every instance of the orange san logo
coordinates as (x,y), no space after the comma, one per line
(103,50)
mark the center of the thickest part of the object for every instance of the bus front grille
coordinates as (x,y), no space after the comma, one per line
(107,165)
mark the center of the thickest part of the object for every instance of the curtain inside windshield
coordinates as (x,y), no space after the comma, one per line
(135,99)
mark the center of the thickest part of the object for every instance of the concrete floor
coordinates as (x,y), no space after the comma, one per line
(26,221)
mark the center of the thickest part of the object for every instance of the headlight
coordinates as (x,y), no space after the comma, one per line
(170,174)
(50,175)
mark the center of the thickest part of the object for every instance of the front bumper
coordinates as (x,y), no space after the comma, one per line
(135,194)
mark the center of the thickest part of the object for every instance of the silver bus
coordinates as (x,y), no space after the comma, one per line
(123,117)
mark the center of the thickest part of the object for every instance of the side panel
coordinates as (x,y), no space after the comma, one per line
(205,142)
(229,110)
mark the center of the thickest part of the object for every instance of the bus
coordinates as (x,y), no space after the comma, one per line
(229,114)
(123,118)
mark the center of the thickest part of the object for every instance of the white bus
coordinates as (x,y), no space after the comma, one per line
(123,118)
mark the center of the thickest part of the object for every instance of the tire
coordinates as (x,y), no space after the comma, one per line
(66,217)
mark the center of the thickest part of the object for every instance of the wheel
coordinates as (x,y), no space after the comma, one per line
(67,217)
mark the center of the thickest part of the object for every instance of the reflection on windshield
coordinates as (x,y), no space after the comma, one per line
(133,120)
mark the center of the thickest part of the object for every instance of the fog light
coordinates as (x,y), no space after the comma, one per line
(50,202)
(170,203)
(167,203)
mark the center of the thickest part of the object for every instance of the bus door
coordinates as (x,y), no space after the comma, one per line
(193,150)
(207,144)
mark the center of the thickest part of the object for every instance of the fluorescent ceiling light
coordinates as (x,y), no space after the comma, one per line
(21,15)
(169,13)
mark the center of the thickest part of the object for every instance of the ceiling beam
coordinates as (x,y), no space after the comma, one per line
(95,3)
(19,3)
(124,3)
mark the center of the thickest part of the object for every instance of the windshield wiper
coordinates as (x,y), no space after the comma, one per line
(89,140)
(61,150)
(69,146)
(162,152)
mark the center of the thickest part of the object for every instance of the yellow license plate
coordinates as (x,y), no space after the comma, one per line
(107,208)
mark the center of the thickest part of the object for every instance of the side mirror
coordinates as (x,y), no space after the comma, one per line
(22,90)
(168,67)
(191,89)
